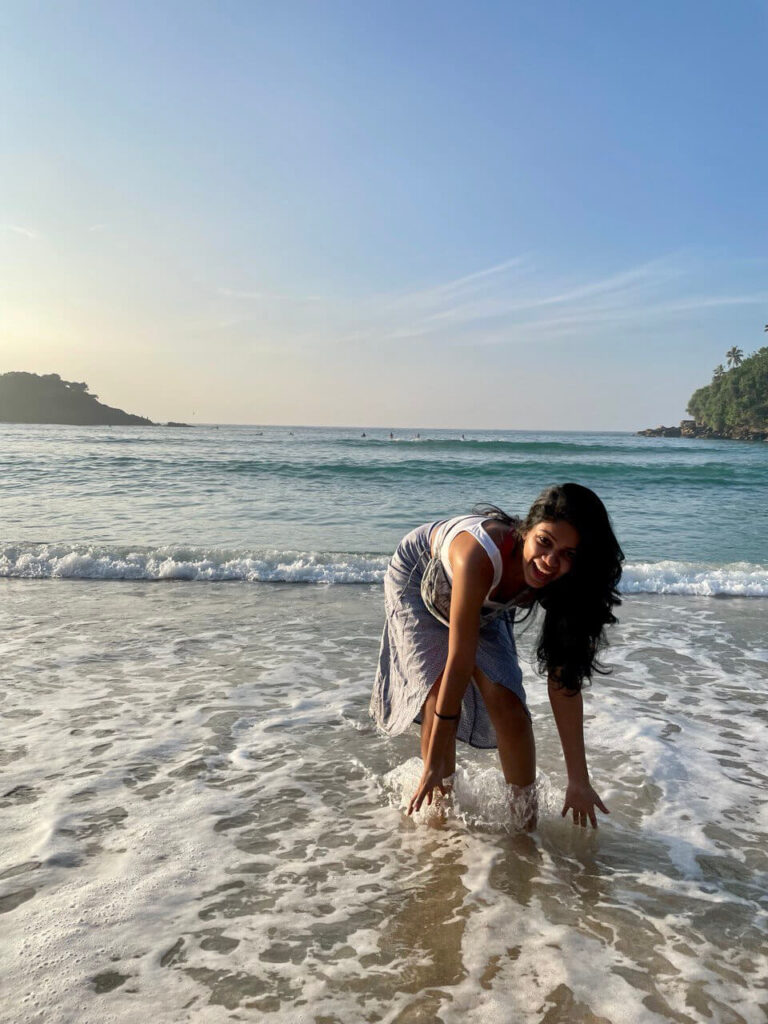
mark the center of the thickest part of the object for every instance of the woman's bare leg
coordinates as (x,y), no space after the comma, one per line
(517,750)
(514,734)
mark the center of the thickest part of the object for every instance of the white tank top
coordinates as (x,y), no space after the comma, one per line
(446,532)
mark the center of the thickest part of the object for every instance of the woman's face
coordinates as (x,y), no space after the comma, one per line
(549,549)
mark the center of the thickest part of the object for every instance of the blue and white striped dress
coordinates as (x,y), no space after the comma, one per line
(414,649)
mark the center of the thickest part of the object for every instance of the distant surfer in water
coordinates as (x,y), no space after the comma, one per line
(448,659)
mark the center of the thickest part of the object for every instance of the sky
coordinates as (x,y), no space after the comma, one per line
(438,214)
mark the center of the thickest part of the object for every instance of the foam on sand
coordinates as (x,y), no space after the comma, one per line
(201,821)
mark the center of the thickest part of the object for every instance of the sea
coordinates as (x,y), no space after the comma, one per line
(201,822)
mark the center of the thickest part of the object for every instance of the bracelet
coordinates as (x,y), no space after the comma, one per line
(447,718)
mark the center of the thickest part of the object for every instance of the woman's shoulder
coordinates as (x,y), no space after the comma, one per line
(498,530)
(470,564)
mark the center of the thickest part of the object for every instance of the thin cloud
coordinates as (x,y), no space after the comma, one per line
(497,304)
(18,230)
(474,279)
(505,315)
(503,304)
(458,290)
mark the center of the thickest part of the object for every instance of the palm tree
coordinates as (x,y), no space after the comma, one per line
(719,372)
(734,356)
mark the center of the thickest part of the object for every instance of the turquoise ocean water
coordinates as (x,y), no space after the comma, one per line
(243,502)
(200,822)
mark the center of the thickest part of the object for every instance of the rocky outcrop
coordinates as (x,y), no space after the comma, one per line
(690,428)
(661,432)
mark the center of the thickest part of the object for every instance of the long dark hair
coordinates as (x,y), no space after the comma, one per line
(578,606)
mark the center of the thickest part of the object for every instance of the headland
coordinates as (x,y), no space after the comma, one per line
(732,407)
(46,398)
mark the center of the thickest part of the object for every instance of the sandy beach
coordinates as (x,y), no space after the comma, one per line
(201,823)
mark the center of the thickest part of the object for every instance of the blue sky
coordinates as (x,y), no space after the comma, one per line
(412,214)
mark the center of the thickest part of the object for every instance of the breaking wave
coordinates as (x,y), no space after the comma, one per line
(105,562)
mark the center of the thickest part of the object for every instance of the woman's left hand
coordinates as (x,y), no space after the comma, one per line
(581,799)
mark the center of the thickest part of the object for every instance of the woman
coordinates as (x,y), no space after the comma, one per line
(448,656)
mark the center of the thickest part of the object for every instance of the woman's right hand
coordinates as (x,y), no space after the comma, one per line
(432,778)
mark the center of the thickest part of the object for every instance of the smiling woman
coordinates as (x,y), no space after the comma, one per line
(549,551)
(448,657)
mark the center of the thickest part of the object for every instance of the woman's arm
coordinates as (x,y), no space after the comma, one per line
(472,578)
(580,797)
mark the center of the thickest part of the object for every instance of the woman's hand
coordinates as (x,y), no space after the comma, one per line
(581,799)
(431,778)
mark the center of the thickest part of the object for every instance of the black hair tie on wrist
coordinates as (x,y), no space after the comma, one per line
(447,718)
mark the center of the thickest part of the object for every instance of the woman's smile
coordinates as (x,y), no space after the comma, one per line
(548,552)
(545,575)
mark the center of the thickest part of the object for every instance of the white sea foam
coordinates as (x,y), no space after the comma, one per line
(81,561)
(738,579)
(478,797)
(209,565)
(201,824)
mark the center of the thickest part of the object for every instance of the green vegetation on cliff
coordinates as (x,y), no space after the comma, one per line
(46,398)
(736,402)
